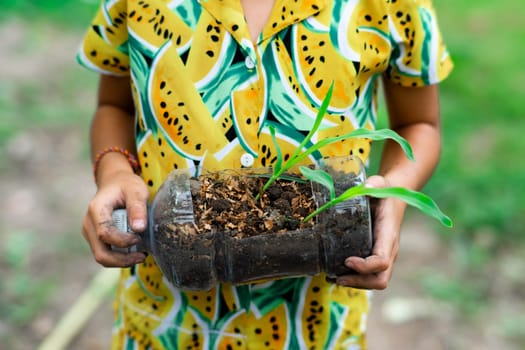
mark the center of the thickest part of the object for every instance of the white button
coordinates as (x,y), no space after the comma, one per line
(249,62)
(247,160)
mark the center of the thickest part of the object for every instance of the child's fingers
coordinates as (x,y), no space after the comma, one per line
(372,272)
(101,251)
(371,265)
(102,228)
(377,281)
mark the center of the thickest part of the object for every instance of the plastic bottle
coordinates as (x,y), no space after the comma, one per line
(196,259)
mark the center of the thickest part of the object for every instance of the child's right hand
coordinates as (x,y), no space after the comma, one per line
(123,190)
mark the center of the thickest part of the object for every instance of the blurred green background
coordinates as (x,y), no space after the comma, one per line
(480,181)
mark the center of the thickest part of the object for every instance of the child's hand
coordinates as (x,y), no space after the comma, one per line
(124,189)
(374,272)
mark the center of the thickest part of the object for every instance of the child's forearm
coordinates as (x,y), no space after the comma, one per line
(414,114)
(425,140)
(112,126)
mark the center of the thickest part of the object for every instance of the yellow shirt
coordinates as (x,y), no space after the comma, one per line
(205,95)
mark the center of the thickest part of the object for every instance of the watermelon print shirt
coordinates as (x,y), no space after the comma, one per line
(205,96)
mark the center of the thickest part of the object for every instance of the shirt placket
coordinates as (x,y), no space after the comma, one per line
(230,15)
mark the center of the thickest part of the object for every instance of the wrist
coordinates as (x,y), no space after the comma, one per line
(111,161)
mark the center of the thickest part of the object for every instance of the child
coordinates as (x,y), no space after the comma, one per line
(190,83)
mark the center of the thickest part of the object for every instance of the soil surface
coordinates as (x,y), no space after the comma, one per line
(229,204)
(46,183)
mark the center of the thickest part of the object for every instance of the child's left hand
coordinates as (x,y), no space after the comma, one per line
(375,271)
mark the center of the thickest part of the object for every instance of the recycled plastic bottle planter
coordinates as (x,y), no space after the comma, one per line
(210,229)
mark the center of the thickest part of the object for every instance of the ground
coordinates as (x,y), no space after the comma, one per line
(46,183)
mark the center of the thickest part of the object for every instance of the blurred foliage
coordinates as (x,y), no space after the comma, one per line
(480,181)
(481,178)
(62,13)
(27,103)
(43,105)
(22,295)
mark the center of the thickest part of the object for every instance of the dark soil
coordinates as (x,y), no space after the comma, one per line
(237,237)
(228,204)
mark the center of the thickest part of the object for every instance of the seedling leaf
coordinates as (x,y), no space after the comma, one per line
(317,122)
(414,198)
(278,164)
(374,135)
(319,176)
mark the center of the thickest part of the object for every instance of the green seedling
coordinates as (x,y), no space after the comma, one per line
(413,198)
(416,199)
(280,168)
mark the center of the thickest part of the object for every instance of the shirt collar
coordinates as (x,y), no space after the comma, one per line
(285,13)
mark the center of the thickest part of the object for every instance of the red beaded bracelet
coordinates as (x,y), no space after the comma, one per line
(131,159)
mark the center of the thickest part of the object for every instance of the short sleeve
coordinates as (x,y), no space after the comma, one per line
(104,47)
(419,56)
